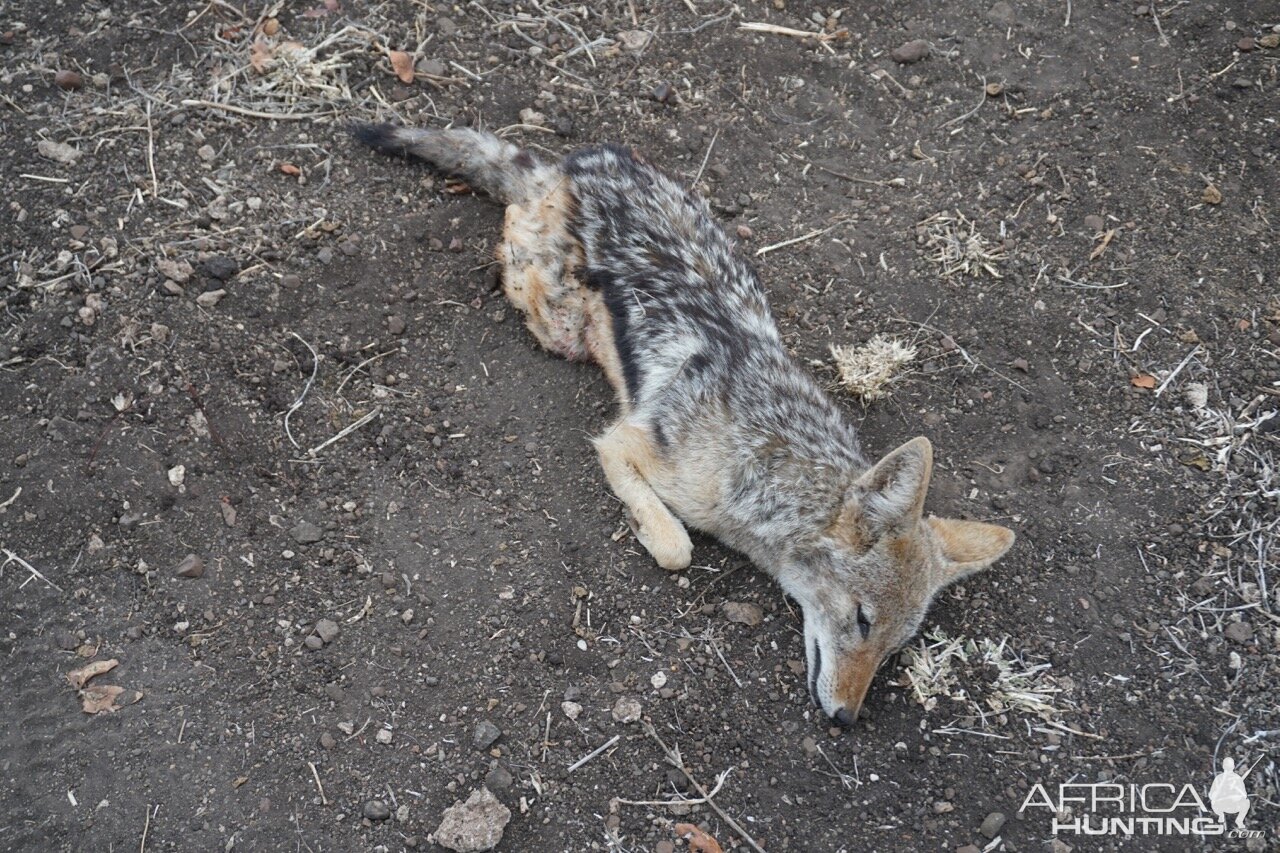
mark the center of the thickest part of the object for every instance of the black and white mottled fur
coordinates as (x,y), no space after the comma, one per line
(720,429)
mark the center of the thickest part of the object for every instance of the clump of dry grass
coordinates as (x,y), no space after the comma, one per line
(958,247)
(939,665)
(868,370)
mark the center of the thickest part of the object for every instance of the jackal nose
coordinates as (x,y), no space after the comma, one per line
(845,717)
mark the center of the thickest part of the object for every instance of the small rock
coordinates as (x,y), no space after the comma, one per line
(179,271)
(992,824)
(969,848)
(327,630)
(1270,40)
(810,746)
(78,232)
(572,710)
(1245,45)
(304,533)
(432,67)
(383,736)
(291,281)
(1094,222)
(912,51)
(658,680)
(177,475)
(663,93)
(376,810)
(743,612)
(190,567)
(68,79)
(1002,13)
(327,741)
(210,298)
(634,40)
(474,825)
(498,778)
(60,152)
(395,324)
(627,709)
(313,643)
(745,232)
(1021,364)
(206,153)
(1211,195)
(1239,632)
(486,735)
(220,267)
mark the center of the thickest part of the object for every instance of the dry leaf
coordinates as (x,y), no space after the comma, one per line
(1144,380)
(290,169)
(699,841)
(402,65)
(260,55)
(1211,195)
(78,678)
(107,698)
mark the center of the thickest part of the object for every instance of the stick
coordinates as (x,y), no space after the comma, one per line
(214,105)
(697,801)
(11,557)
(12,499)
(1177,370)
(151,154)
(346,431)
(315,368)
(675,760)
(764,250)
(593,753)
(323,799)
(759,27)
(973,111)
(705,158)
(146,828)
(720,654)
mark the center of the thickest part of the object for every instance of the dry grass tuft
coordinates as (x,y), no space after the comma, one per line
(868,370)
(958,247)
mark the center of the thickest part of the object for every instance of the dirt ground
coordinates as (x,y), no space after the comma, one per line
(1068,209)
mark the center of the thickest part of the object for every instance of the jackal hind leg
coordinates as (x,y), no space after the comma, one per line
(626,454)
(539,260)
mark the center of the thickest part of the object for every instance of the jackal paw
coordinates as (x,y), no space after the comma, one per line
(665,538)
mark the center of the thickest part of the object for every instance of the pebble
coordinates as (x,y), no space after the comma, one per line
(206,153)
(1240,632)
(78,232)
(498,778)
(376,810)
(912,51)
(325,255)
(486,735)
(627,709)
(992,824)
(383,736)
(210,298)
(395,324)
(572,710)
(290,281)
(68,79)
(190,567)
(969,848)
(1094,222)
(663,93)
(474,825)
(58,151)
(313,643)
(743,612)
(220,267)
(328,741)
(327,630)
(305,533)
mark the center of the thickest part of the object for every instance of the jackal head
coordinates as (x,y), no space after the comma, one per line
(866,580)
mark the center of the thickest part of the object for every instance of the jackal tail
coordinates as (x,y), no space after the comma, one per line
(487,163)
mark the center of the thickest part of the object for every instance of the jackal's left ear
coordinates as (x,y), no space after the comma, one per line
(968,546)
(893,490)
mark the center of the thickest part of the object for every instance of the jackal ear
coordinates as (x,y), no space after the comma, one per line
(893,490)
(967,546)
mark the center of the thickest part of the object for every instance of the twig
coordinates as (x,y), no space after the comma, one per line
(346,431)
(681,801)
(12,498)
(352,371)
(151,154)
(214,105)
(760,27)
(1177,370)
(316,775)
(971,112)
(705,158)
(1067,22)
(593,753)
(675,760)
(892,182)
(720,654)
(146,827)
(315,368)
(764,250)
(11,557)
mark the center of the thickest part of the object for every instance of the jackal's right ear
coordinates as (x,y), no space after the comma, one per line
(893,490)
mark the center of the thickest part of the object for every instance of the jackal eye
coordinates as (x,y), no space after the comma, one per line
(864,624)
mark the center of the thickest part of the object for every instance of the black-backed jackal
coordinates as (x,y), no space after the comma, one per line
(611,261)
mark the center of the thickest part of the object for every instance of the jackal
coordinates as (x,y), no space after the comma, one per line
(611,261)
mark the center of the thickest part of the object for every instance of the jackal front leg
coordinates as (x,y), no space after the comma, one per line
(625,454)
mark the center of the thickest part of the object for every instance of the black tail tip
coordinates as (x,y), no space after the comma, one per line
(379,137)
